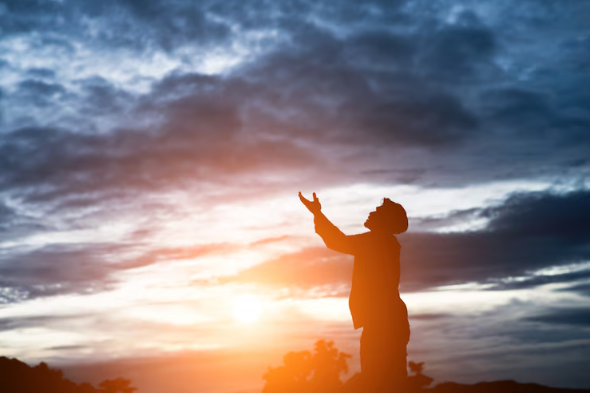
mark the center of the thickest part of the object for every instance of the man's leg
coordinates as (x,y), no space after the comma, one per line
(383,360)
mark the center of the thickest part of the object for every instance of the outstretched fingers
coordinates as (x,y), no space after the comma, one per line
(304,200)
(312,206)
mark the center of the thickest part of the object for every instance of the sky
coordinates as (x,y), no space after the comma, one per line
(151,154)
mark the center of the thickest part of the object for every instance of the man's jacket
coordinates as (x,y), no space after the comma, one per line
(374,298)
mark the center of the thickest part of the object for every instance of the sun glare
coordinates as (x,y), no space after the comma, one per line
(247,309)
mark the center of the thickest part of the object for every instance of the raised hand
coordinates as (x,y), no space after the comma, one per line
(313,206)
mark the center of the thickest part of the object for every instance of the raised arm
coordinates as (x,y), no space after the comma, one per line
(333,237)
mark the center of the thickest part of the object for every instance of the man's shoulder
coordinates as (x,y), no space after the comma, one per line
(362,236)
(374,239)
(382,239)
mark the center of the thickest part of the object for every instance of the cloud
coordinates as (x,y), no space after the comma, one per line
(332,94)
(306,269)
(462,51)
(15,224)
(531,281)
(579,317)
(582,289)
(37,88)
(428,317)
(7,215)
(328,102)
(543,214)
(61,163)
(57,269)
(269,240)
(506,342)
(7,324)
(525,233)
(165,25)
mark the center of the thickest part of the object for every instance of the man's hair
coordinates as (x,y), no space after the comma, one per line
(396,218)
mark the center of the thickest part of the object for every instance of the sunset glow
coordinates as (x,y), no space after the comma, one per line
(247,309)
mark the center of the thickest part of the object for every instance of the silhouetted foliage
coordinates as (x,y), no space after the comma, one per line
(18,377)
(418,381)
(118,385)
(414,384)
(306,372)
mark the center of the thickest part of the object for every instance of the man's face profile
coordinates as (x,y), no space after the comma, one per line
(375,219)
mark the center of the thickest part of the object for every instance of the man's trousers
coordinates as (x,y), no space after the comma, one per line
(383,356)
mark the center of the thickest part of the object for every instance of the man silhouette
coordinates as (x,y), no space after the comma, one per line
(375,304)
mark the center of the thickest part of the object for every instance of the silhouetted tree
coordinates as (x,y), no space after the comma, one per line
(306,372)
(18,377)
(118,385)
(418,381)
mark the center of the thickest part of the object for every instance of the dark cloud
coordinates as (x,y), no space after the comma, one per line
(7,214)
(531,326)
(101,97)
(460,52)
(579,317)
(381,48)
(38,94)
(525,233)
(58,269)
(321,78)
(36,88)
(454,217)
(339,95)
(61,163)
(68,347)
(123,24)
(428,317)
(504,343)
(543,214)
(43,73)
(582,289)
(31,321)
(14,223)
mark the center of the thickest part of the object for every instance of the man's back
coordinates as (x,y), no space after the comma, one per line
(374,297)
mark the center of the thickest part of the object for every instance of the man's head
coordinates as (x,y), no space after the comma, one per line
(389,217)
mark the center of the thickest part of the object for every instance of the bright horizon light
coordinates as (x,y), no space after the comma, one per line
(247,309)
